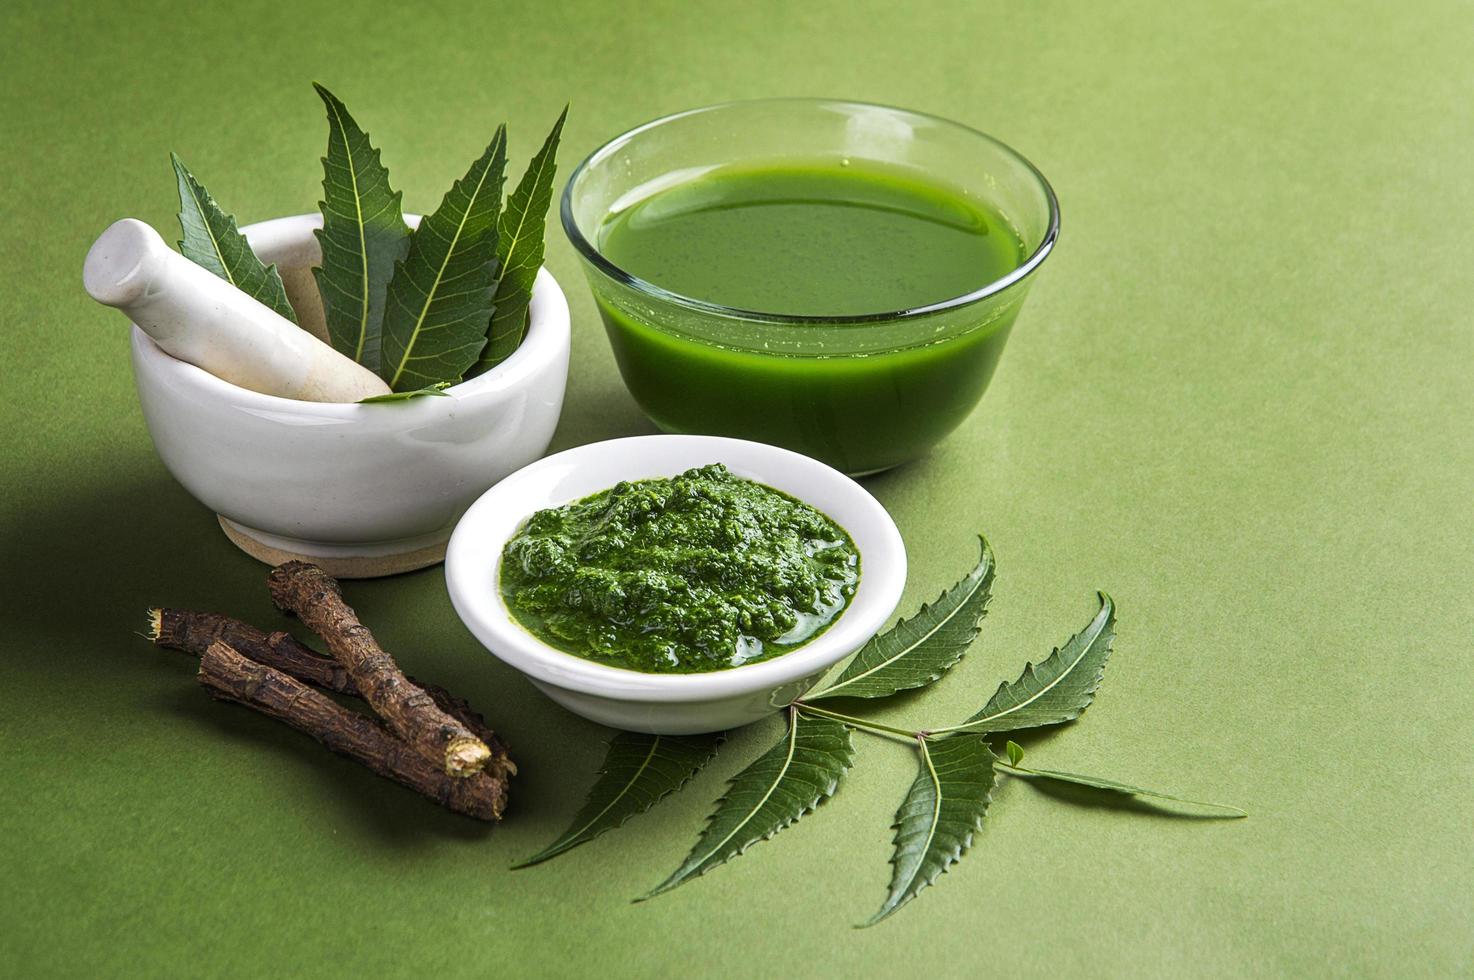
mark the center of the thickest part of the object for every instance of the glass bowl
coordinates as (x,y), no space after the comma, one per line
(861,392)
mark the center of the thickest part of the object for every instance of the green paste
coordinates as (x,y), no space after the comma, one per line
(697,572)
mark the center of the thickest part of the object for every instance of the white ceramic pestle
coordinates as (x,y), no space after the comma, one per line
(198,317)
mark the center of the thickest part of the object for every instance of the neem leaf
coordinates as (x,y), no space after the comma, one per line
(363,235)
(1111,785)
(440,297)
(1015,752)
(520,251)
(1056,690)
(786,782)
(638,772)
(939,816)
(404,396)
(212,240)
(917,651)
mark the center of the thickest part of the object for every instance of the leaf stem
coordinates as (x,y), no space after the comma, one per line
(869,726)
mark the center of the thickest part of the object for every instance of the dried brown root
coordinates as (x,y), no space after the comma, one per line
(229,676)
(193,632)
(302,588)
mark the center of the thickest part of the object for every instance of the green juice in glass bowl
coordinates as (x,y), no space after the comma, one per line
(835,278)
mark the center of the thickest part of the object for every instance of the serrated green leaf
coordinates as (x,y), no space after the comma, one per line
(1111,785)
(1015,752)
(212,240)
(363,236)
(917,651)
(1055,690)
(440,297)
(520,251)
(786,782)
(404,396)
(941,813)
(638,772)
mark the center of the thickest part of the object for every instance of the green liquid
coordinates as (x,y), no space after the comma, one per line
(697,572)
(811,240)
(814,239)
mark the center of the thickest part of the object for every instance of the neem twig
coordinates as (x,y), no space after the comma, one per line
(315,597)
(193,632)
(231,677)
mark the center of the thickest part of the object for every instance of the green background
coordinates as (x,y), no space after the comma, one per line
(1239,399)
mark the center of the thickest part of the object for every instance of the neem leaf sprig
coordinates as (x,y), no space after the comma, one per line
(423,308)
(957,769)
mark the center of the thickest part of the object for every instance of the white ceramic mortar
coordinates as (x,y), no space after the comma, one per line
(362,490)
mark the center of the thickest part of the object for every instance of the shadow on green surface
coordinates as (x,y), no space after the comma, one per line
(86,565)
(1102,799)
(392,814)
(906,473)
(82,571)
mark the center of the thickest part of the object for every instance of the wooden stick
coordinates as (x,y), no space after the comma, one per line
(302,588)
(193,632)
(231,677)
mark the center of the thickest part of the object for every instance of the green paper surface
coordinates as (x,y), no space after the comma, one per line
(1239,399)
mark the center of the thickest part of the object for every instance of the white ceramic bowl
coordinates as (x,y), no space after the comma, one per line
(670,704)
(360,489)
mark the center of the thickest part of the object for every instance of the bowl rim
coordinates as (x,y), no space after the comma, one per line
(549,312)
(594,256)
(478,601)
